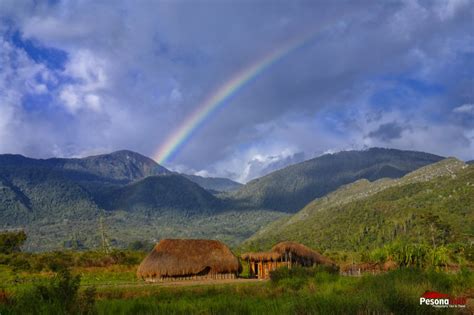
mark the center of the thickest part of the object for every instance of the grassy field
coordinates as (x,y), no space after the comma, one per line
(116,290)
(296,292)
(97,283)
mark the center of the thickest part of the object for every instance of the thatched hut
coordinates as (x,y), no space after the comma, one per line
(179,259)
(284,254)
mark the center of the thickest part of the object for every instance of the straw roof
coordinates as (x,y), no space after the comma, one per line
(180,257)
(278,251)
(302,251)
(261,256)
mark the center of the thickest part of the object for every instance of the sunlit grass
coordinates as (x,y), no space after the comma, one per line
(299,291)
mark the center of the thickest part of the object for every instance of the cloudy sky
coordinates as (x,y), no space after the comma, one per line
(85,77)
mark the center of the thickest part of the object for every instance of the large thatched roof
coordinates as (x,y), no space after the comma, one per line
(179,257)
(278,251)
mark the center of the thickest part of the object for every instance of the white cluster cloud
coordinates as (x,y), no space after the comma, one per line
(90,78)
(51,29)
(19,77)
(465,109)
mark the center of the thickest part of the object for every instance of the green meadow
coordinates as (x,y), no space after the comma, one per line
(95,282)
(114,289)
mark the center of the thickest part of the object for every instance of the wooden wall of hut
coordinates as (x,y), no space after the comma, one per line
(261,268)
(217,276)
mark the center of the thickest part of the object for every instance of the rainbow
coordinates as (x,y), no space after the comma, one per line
(218,99)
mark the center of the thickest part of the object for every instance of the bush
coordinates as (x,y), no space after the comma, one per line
(125,258)
(11,242)
(378,255)
(54,261)
(439,257)
(59,296)
(19,262)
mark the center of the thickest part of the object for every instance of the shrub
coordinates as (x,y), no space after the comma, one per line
(87,301)
(57,261)
(54,261)
(59,296)
(439,257)
(19,262)
(463,280)
(125,258)
(11,242)
(378,255)
(408,254)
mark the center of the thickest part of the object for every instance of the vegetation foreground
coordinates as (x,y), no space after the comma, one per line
(115,290)
(92,282)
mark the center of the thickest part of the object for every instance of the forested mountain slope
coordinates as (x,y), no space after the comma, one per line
(291,188)
(433,205)
(215,184)
(68,202)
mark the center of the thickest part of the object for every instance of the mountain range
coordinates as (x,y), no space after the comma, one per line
(63,201)
(128,197)
(434,205)
(291,188)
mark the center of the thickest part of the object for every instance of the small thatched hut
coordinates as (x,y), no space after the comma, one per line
(179,259)
(284,254)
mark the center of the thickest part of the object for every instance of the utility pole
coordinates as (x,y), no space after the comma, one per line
(105,241)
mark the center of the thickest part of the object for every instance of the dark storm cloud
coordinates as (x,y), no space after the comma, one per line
(135,70)
(387,132)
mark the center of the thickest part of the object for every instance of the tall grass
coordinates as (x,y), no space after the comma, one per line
(290,291)
(59,295)
(304,291)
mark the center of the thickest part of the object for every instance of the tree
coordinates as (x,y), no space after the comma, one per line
(440,232)
(11,241)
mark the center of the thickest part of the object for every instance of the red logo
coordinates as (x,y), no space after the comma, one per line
(437,299)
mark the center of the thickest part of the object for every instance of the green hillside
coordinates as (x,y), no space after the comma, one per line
(293,187)
(41,195)
(216,184)
(60,202)
(157,192)
(433,205)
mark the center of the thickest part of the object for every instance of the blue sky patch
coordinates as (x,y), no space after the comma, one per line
(53,58)
(36,102)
